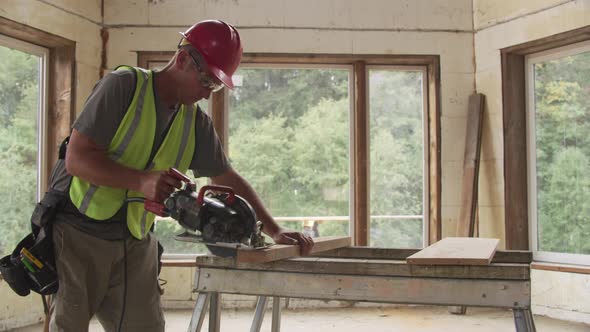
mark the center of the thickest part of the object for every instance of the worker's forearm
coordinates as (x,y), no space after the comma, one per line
(96,168)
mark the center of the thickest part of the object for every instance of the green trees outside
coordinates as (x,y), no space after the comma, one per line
(396,173)
(289,138)
(290,133)
(562,123)
(19,90)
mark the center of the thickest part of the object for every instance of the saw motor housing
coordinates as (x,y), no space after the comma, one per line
(221,216)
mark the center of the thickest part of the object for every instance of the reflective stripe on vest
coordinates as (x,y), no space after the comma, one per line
(131,146)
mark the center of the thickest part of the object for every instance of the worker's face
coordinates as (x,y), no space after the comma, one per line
(202,82)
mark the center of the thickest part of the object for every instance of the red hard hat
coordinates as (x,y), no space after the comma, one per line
(219,45)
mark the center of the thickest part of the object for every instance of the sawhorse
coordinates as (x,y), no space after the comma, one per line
(213,301)
(367,275)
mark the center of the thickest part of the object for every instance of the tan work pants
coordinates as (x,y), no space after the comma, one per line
(91,274)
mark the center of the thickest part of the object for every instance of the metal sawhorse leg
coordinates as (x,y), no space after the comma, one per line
(213,300)
(523,320)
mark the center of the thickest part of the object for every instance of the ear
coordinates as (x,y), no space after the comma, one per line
(182,59)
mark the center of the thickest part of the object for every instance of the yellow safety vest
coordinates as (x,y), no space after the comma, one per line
(131,146)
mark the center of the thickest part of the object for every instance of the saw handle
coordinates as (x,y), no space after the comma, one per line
(178,175)
(159,208)
(231,198)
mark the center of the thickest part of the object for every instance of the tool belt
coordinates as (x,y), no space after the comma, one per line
(31,266)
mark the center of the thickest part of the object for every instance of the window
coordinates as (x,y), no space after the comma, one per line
(398,157)
(289,134)
(558,110)
(23,82)
(334,143)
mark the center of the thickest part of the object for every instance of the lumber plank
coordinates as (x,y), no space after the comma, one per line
(375,267)
(466,223)
(457,251)
(501,256)
(438,291)
(282,251)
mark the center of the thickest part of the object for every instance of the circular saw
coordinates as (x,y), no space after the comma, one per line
(226,221)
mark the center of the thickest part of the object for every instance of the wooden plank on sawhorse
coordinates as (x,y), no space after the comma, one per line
(457,251)
(282,251)
(378,275)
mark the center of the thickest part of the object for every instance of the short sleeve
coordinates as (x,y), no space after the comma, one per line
(209,159)
(106,106)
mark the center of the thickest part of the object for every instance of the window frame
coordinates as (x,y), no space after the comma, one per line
(219,102)
(43,54)
(515,131)
(60,89)
(530,61)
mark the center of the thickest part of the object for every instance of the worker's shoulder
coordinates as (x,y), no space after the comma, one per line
(202,117)
(122,75)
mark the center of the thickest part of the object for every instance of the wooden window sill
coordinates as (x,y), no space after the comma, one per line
(179,262)
(560,267)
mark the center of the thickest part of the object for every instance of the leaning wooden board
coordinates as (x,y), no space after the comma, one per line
(282,251)
(457,251)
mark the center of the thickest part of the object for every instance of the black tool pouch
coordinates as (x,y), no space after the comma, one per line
(31,266)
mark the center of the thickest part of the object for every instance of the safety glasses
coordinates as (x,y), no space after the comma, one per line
(206,80)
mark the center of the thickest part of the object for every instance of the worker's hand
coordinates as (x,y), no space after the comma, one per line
(305,242)
(157,186)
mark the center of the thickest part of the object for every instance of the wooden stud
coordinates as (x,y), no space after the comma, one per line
(435,147)
(515,152)
(466,223)
(360,157)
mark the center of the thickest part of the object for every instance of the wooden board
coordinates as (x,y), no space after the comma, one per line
(374,267)
(412,290)
(282,251)
(466,224)
(457,251)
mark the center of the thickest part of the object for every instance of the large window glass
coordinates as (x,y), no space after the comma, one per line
(22,109)
(289,137)
(397,157)
(558,103)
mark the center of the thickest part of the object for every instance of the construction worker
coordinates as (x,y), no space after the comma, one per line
(135,125)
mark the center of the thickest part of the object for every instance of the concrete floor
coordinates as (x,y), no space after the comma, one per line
(402,318)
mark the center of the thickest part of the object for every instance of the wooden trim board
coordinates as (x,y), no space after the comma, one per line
(457,251)
(282,251)
(466,224)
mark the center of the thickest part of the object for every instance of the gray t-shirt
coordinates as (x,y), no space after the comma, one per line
(102,114)
(108,103)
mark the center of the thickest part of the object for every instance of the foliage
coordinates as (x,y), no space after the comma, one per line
(289,136)
(18,144)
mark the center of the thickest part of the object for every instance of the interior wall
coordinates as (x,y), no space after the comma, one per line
(75,20)
(500,24)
